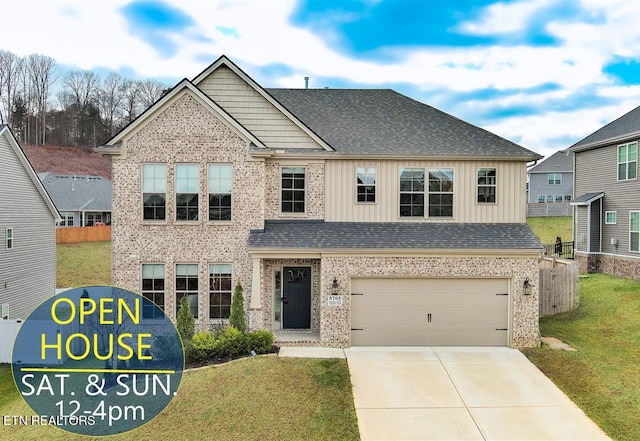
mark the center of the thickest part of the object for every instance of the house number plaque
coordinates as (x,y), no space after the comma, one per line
(335,300)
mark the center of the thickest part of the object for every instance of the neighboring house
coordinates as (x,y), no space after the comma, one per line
(551,181)
(607,198)
(350,217)
(27,233)
(83,201)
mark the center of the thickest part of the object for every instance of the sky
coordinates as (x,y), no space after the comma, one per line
(541,73)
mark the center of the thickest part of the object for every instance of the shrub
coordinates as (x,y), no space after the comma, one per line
(231,343)
(186,323)
(236,318)
(260,341)
(204,345)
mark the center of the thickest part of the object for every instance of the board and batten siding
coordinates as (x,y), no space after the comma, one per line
(28,271)
(596,171)
(341,206)
(253,111)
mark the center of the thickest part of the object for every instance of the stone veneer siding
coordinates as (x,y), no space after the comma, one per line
(621,266)
(314,191)
(185,132)
(335,322)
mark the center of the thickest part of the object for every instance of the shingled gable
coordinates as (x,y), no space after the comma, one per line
(619,130)
(114,145)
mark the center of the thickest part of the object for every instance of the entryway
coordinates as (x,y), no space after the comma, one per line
(296,297)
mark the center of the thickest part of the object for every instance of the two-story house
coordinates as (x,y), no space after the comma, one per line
(350,217)
(27,233)
(551,186)
(607,202)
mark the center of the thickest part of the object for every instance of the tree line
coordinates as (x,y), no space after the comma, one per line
(85,110)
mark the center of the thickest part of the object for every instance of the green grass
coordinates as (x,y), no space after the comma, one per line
(548,228)
(263,398)
(81,264)
(603,376)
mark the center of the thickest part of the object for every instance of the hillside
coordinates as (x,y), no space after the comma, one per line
(68,160)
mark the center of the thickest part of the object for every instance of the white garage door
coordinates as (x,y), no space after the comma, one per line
(430,312)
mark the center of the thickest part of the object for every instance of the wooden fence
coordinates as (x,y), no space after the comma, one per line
(83,234)
(558,286)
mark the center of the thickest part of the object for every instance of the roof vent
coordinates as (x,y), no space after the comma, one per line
(306,82)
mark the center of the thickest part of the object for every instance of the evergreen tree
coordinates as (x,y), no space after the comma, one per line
(186,322)
(237,309)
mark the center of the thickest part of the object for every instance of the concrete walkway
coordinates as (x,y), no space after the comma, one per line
(453,393)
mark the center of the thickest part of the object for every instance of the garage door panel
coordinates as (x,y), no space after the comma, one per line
(390,311)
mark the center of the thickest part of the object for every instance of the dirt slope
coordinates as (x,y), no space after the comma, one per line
(68,160)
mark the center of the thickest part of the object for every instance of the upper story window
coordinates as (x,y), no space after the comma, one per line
(187,190)
(628,161)
(187,286)
(441,192)
(634,231)
(486,186)
(9,238)
(554,178)
(412,192)
(293,190)
(365,184)
(153,288)
(154,191)
(220,186)
(220,291)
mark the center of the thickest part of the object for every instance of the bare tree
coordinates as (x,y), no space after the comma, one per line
(150,91)
(42,75)
(131,102)
(82,88)
(10,67)
(110,96)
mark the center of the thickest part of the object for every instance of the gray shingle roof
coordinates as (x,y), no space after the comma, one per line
(304,234)
(78,193)
(627,124)
(587,198)
(561,161)
(385,122)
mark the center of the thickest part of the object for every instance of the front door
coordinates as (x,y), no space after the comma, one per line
(296,299)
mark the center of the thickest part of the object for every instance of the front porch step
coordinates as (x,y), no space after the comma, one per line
(297,338)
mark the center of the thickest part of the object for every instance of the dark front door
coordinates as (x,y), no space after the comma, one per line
(296,300)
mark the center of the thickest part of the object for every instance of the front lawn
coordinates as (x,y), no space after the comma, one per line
(261,398)
(81,264)
(603,376)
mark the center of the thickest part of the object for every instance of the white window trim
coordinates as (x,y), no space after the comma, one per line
(630,231)
(486,185)
(9,242)
(627,161)
(225,222)
(175,290)
(554,178)
(166,194)
(154,291)
(615,217)
(424,192)
(4,311)
(175,195)
(223,320)
(427,193)
(375,184)
(306,193)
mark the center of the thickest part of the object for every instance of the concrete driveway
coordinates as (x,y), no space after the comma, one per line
(452,393)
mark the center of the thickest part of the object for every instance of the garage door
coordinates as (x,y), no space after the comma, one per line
(431,312)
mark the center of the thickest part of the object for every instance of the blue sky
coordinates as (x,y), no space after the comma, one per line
(542,73)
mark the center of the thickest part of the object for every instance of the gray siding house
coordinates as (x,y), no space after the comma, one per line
(27,233)
(83,201)
(551,180)
(607,202)
(350,217)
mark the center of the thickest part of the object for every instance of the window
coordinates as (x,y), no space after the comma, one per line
(187,286)
(67,220)
(541,198)
(92,219)
(549,198)
(187,189)
(487,186)
(441,192)
(220,185)
(9,238)
(628,161)
(567,197)
(219,291)
(365,184)
(412,192)
(4,311)
(293,189)
(611,217)
(554,178)
(153,288)
(558,198)
(634,231)
(154,191)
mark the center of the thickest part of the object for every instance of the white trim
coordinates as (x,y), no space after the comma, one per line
(9,240)
(630,213)
(375,184)
(221,221)
(615,218)
(287,214)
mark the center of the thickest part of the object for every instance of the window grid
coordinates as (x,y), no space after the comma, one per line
(412,192)
(634,231)
(628,161)
(441,192)
(187,190)
(366,184)
(154,191)
(187,286)
(220,291)
(9,238)
(486,186)
(293,190)
(220,189)
(611,217)
(554,178)
(153,286)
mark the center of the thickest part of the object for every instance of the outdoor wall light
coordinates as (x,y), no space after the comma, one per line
(334,287)
(526,287)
